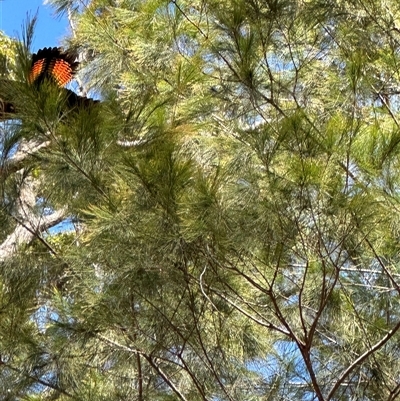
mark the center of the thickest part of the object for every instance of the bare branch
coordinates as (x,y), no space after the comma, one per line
(30,225)
(25,150)
(362,358)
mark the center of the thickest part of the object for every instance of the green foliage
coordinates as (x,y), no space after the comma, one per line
(235,206)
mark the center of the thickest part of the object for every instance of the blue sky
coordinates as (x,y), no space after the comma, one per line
(49,29)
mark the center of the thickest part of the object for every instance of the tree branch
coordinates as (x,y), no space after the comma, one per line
(30,225)
(362,358)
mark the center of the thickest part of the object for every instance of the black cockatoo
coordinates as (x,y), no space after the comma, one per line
(52,64)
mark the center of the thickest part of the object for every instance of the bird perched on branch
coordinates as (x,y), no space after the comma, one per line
(51,64)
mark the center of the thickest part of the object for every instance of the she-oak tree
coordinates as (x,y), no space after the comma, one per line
(235,198)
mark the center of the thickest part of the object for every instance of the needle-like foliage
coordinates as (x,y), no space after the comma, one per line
(229,210)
